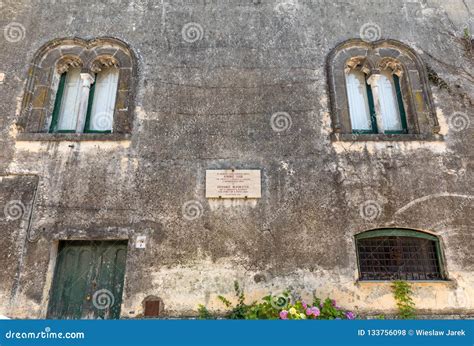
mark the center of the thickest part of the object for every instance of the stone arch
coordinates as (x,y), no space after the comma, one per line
(371,58)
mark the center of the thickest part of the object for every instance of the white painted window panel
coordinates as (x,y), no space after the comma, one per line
(69,109)
(103,104)
(358,101)
(388,103)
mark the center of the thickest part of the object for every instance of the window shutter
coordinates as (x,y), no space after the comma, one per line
(103,104)
(89,107)
(57,103)
(358,102)
(391,121)
(68,111)
(401,107)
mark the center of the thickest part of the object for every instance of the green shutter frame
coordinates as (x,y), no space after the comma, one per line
(401,108)
(57,103)
(390,232)
(89,111)
(89,108)
(373,115)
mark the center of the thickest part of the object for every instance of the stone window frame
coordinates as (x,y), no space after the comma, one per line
(56,57)
(371,58)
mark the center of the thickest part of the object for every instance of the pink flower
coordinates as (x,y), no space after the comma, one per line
(284,315)
(309,312)
(315,311)
(304,304)
(350,315)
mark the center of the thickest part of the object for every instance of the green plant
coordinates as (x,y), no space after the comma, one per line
(204,314)
(402,293)
(467,35)
(239,311)
(329,309)
(436,79)
(467,41)
(278,307)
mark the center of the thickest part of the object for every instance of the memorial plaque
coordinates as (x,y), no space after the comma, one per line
(238,183)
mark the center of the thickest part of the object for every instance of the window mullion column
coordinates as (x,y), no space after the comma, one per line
(87,80)
(373,81)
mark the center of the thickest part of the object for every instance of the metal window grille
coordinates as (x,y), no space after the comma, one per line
(398,258)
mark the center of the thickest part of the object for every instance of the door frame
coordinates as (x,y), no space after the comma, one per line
(53,261)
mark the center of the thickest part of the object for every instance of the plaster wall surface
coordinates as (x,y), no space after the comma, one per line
(206,102)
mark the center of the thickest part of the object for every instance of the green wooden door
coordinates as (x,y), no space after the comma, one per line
(88,280)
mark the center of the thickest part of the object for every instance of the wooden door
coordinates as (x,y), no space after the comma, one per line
(88,280)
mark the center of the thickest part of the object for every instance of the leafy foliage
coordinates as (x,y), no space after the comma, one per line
(204,314)
(278,307)
(402,293)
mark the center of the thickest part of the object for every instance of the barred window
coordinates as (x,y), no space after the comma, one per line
(392,254)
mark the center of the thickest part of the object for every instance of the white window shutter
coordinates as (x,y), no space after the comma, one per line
(388,103)
(69,109)
(358,101)
(103,104)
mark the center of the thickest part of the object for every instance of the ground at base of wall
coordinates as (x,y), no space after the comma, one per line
(362,317)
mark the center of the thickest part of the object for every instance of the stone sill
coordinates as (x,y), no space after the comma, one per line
(349,137)
(411,282)
(72,137)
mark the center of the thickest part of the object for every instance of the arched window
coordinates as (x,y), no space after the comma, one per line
(73,86)
(398,254)
(380,91)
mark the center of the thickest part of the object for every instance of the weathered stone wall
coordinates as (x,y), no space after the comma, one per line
(206,101)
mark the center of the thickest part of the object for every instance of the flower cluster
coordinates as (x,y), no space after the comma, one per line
(299,311)
(280,307)
(328,309)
